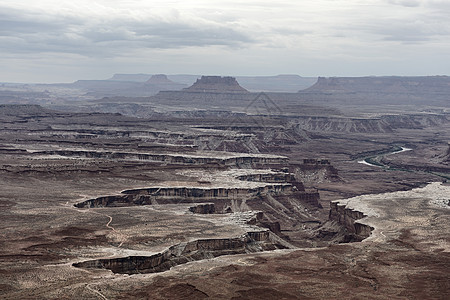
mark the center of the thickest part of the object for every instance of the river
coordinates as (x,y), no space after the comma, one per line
(365,162)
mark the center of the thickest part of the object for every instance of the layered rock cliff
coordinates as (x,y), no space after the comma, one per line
(254,241)
(205,209)
(222,197)
(348,218)
(235,159)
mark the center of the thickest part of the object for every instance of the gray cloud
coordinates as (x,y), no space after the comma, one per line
(406,3)
(199,36)
(412,31)
(57,33)
(421,22)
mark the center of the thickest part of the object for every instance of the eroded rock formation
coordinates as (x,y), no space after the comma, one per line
(348,218)
(206,208)
(316,170)
(222,197)
(254,241)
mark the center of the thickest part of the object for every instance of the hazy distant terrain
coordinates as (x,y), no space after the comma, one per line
(138,85)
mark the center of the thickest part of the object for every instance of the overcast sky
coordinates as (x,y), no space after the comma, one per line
(62,41)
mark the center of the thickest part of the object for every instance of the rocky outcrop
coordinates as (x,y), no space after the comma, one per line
(205,209)
(216,84)
(348,218)
(254,241)
(310,197)
(262,221)
(315,171)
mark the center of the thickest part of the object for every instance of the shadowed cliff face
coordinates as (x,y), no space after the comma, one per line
(348,218)
(207,208)
(173,195)
(185,252)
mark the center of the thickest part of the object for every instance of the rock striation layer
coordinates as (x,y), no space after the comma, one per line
(234,160)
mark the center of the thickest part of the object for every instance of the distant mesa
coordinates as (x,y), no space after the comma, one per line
(207,91)
(159,79)
(216,84)
(130,77)
(287,83)
(160,82)
(383,90)
(382,84)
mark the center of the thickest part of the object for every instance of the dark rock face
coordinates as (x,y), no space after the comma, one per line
(348,219)
(185,252)
(216,84)
(207,208)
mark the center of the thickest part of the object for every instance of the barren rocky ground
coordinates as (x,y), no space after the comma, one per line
(247,203)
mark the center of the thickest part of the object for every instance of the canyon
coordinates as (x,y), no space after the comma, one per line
(215,190)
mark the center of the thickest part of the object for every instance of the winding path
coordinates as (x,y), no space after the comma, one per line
(122,237)
(96,292)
